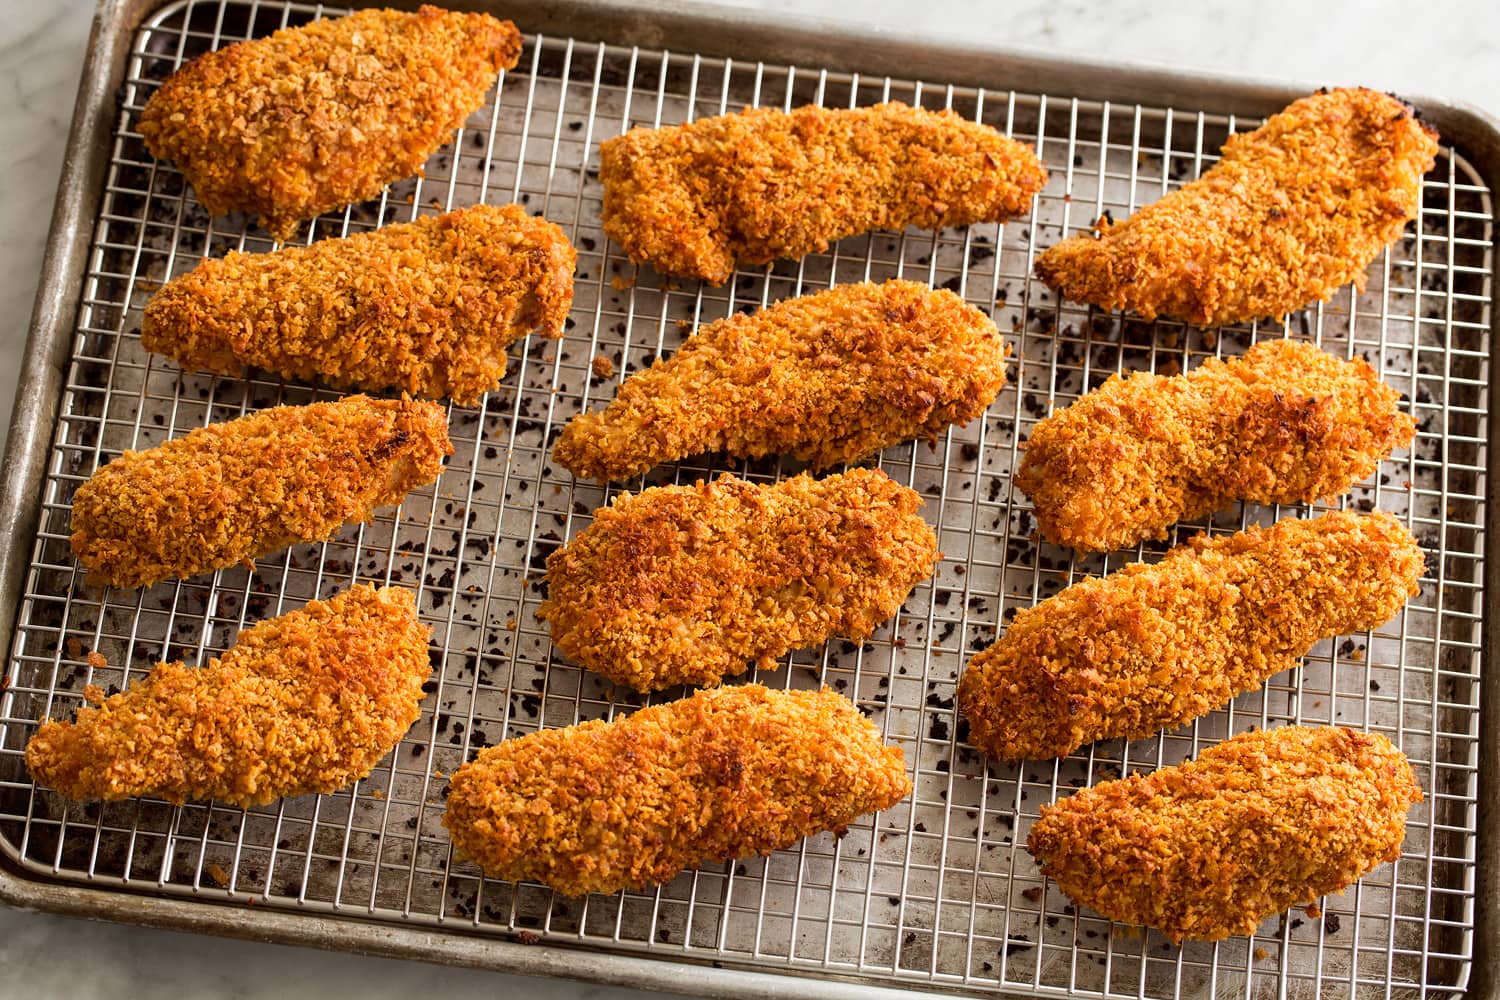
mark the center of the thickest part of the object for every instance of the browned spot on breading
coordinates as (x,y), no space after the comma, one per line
(328,113)
(690,584)
(1286,423)
(235,491)
(1257,824)
(1153,646)
(427,307)
(307,702)
(724,774)
(826,378)
(692,199)
(1293,211)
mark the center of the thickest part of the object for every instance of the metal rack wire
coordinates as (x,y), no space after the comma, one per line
(938,892)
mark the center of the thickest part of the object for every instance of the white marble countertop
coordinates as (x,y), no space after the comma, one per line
(1446,49)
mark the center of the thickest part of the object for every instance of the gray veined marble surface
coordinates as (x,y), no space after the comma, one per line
(1439,48)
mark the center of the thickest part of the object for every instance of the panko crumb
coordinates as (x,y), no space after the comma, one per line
(1153,646)
(602,366)
(726,773)
(691,584)
(96,660)
(826,378)
(307,702)
(1292,212)
(1284,423)
(427,307)
(763,184)
(1210,848)
(234,491)
(318,116)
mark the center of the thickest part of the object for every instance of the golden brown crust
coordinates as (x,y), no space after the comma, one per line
(307,702)
(1210,848)
(826,378)
(689,584)
(1154,646)
(318,116)
(1286,423)
(1291,213)
(232,492)
(726,773)
(692,199)
(427,307)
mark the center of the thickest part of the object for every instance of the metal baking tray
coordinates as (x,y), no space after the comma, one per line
(937,894)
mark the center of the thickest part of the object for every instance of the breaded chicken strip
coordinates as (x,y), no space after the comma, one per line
(1285,423)
(689,584)
(724,774)
(315,117)
(1210,848)
(232,492)
(1291,213)
(692,199)
(427,307)
(1154,646)
(826,378)
(307,702)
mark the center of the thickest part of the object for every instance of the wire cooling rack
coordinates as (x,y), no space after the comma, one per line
(936,893)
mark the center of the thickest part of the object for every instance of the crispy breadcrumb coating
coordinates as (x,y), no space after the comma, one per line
(826,378)
(318,116)
(1291,213)
(1210,848)
(689,584)
(692,199)
(232,492)
(1154,646)
(307,702)
(1286,423)
(427,307)
(724,774)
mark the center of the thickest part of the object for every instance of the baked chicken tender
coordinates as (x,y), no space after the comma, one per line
(1285,423)
(692,199)
(1292,212)
(690,584)
(1154,646)
(827,378)
(1208,849)
(727,773)
(315,117)
(307,702)
(232,492)
(427,307)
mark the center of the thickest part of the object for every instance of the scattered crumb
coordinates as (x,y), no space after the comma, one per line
(603,367)
(96,660)
(218,874)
